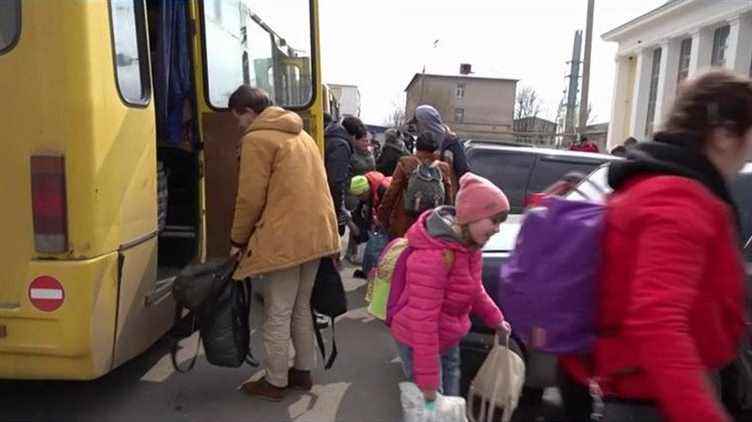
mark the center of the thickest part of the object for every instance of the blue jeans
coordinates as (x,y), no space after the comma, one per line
(449,373)
(377,241)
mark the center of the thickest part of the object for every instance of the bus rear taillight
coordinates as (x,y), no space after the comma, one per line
(49,203)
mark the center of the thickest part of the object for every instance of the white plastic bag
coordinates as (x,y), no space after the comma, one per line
(498,383)
(416,409)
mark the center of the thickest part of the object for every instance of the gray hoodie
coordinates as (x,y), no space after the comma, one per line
(440,224)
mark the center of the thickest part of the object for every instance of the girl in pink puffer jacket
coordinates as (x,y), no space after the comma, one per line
(444,285)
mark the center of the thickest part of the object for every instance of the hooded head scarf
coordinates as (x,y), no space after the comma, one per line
(429,120)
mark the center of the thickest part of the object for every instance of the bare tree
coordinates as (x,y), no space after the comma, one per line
(396,117)
(591,115)
(527,104)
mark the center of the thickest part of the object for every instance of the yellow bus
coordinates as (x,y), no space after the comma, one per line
(119,161)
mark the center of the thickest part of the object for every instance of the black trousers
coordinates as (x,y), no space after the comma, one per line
(578,405)
(576,398)
(630,412)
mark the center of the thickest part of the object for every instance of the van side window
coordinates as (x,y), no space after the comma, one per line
(508,170)
(550,170)
(129,45)
(741,190)
(10,23)
(594,188)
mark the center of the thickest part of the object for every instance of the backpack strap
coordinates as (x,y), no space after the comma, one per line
(180,336)
(333,355)
(320,342)
(411,163)
(448,257)
(248,299)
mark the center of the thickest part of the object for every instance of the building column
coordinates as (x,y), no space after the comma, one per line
(739,50)
(668,81)
(669,75)
(702,50)
(641,93)
(618,129)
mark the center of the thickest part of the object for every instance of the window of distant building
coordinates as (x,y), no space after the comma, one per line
(459,115)
(720,44)
(653,96)
(684,58)
(460,91)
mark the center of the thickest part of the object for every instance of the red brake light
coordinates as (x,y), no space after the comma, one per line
(49,203)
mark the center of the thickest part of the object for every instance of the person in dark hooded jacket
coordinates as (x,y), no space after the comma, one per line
(337,157)
(393,150)
(671,297)
(451,150)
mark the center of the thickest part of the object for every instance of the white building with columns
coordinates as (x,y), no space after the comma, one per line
(665,46)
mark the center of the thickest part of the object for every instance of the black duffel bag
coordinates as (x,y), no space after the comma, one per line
(219,308)
(225,326)
(194,285)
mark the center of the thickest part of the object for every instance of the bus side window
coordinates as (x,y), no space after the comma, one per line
(10,24)
(244,45)
(130,53)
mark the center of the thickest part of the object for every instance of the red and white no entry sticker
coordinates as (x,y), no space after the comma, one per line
(46,294)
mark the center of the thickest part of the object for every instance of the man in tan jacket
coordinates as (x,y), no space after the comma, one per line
(284,224)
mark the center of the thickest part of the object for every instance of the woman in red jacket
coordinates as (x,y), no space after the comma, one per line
(671,306)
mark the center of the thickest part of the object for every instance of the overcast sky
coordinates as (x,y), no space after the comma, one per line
(380,44)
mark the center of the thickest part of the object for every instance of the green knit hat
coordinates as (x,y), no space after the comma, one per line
(358,185)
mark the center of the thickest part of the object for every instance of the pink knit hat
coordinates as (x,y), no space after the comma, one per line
(478,198)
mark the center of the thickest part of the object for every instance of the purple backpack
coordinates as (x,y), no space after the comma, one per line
(548,285)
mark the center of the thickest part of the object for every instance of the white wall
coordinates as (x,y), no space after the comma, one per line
(697,19)
(621,111)
(348,98)
(680,23)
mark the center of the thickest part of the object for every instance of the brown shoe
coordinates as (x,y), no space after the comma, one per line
(263,390)
(299,380)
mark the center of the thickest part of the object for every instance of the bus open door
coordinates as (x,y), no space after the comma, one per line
(265,44)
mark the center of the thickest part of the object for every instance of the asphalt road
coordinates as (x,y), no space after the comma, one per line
(362,385)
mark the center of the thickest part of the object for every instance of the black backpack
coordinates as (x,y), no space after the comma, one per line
(219,307)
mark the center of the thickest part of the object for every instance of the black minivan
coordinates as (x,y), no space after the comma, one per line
(524,171)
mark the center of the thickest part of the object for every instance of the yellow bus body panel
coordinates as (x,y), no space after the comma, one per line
(60,96)
(67,343)
(63,99)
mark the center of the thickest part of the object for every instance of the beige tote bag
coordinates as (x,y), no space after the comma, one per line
(498,383)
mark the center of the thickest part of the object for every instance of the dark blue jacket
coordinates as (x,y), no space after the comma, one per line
(337,157)
(452,151)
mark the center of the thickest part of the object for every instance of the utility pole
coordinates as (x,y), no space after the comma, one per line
(584,100)
(574,84)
